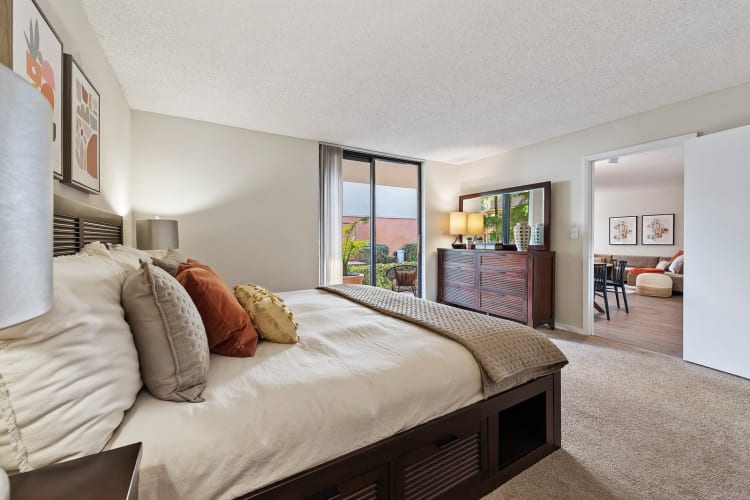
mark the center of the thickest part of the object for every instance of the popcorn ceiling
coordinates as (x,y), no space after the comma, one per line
(445,80)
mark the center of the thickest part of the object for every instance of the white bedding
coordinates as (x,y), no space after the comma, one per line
(356,377)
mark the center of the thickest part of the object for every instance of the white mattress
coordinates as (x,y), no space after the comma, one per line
(356,377)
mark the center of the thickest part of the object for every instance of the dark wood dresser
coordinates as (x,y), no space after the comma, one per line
(506,283)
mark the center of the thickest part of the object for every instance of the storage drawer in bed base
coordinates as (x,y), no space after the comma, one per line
(465,454)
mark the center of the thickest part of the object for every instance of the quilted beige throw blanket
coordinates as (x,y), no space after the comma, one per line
(508,353)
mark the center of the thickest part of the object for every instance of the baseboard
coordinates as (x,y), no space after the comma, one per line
(569,328)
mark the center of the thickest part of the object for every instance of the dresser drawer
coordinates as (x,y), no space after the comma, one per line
(459,295)
(459,258)
(508,282)
(505,261)
(458,275)
(372,485)
(506,305)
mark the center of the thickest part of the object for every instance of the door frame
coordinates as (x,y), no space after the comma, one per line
(588,214)
(372,158)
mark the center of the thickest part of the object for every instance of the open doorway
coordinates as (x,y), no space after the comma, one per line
(638,237)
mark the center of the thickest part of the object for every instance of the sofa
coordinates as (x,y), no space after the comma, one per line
(636,261)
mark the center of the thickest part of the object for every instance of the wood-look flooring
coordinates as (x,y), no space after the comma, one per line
(654,323)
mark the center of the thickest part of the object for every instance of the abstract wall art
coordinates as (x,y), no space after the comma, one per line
(33,50)
(623,230)
(658,229)
(83,130)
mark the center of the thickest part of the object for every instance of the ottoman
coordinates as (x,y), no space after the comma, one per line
(653,285)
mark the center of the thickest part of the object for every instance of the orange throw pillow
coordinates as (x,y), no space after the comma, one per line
(228,327)
(675,256)
(644,270)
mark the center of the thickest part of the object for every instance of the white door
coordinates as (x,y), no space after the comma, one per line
(717,242)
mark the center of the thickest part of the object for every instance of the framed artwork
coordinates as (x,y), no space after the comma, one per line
(623,230)
(30,47)
(657,229)
(82,130)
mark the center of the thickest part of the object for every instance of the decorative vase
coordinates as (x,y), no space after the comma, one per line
(522,235)
(537,235)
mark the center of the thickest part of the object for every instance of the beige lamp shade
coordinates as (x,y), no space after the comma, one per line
(25,201)
(474,224)
(457,223)
(156,234)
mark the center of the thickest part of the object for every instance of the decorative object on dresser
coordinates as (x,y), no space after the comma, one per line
(34,51)
(522,236)
(156,234)
(537,234)
(623,230)
(25,202)
(111,474)
(510,284)
(81,163)
(501,209)
(457,227)
(658,229)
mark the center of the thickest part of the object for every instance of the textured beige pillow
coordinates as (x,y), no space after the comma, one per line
(171,261)
(67,377)
(270,315)
(169,334)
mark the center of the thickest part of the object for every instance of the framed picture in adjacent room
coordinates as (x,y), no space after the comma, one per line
(32,49)
(657,229)
(82,130)
(623,230)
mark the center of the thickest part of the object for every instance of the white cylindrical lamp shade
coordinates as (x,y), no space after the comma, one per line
(474,224)
(156,234)
(457,223)
(25,201)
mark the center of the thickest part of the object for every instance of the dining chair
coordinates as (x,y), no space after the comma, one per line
(617,282)
(600,285)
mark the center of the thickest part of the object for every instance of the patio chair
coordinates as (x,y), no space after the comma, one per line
(402,277)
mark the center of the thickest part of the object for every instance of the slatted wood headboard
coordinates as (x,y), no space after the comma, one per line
(76,224)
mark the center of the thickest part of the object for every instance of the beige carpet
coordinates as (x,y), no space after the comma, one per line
(637,424)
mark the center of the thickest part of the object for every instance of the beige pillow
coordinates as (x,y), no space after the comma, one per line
(169,334)
(171,261)
(662,265)
(270,315)
(67,377)
(128,257)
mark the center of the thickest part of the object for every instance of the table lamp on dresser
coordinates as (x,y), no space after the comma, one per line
(25,207)
(457,227)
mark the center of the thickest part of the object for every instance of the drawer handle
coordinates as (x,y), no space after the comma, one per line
(446,442)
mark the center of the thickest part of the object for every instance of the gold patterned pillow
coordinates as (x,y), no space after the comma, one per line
(270,315)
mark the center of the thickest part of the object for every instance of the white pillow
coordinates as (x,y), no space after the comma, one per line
(67,377)
(676,265)
(662,265)
(128,257)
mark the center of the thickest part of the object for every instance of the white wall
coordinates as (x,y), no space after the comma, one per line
(649,199)
(716,207)
(560,160)
(246,202)
(71,24)
(440,191)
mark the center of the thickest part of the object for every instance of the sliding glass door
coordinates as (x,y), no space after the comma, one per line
(382,204)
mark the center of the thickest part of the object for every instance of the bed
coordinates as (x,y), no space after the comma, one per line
(367,406)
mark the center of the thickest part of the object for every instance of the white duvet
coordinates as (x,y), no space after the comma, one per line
(356,377)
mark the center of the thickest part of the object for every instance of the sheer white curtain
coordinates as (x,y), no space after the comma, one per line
(331,212)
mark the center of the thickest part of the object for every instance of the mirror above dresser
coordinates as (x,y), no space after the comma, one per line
(502,209)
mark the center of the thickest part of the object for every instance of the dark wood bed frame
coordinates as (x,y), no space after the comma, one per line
(465,454)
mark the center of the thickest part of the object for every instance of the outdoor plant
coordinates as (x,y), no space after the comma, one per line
(410,252)
(350,245)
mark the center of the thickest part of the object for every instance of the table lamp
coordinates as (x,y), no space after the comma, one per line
(156,234)
(474,224)
(25,207)
(457,227)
